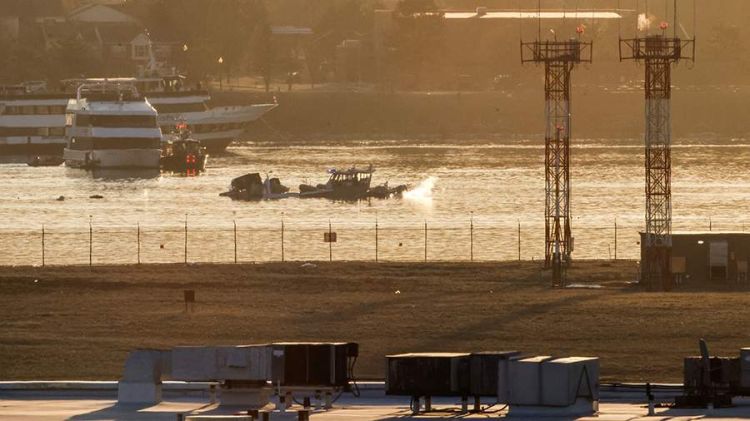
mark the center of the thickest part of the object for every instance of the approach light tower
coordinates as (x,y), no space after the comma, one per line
(559,59)
(658,52)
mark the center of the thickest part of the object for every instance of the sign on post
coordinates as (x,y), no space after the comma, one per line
(189,299)
(329,237)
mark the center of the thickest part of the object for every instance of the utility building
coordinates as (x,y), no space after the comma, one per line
(701,257)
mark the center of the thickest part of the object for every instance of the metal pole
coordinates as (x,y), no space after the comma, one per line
(138,237)
(330,242)
(235,241)
(42,245)
(519,240)
(471,237)
(186,239)
(710,224)
(376,237)
(282,236)
(615,238)
(91,242)
(425,241)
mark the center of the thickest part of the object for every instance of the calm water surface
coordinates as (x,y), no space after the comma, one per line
(500,183)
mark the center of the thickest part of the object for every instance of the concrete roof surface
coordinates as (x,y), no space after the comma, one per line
(372,405)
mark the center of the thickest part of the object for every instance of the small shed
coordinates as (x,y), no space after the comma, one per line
(699,257)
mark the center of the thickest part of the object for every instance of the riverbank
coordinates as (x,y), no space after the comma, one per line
(598,112)
(80,322)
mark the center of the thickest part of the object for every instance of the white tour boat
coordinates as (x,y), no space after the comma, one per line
(32,120)
(109,125)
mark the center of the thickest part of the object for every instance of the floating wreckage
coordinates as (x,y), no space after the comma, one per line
(252,187)
(350,184)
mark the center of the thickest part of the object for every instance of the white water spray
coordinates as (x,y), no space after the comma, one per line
(422,193)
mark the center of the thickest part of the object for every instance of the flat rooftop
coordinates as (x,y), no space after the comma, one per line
(87,401)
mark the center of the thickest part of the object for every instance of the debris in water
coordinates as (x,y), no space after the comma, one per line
(398,292)
(96,196)
(60,199)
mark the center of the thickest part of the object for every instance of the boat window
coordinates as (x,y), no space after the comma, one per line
(127,143)
(42,109)
(145,121)
(83,120)
(57,109)
(57,131)
(180,108)
(19,131)
(27,110)
(80,143)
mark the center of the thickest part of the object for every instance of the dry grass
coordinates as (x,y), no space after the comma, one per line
(80,322)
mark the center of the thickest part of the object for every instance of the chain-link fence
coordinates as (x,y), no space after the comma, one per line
(474,240)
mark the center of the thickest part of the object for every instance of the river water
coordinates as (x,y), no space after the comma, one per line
(471,196)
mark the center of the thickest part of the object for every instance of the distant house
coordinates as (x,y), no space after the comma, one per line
(100,14)
(16,16)
(121,40)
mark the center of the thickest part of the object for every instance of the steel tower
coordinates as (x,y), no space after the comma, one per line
(559,58)
(658,52)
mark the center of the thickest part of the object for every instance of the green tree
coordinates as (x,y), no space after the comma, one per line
(74,58)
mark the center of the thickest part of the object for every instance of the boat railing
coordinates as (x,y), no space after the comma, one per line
(120,89)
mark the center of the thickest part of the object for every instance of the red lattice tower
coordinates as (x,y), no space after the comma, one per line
(658,53)
(559,59)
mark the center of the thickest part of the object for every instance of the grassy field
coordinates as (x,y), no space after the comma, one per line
(80,322)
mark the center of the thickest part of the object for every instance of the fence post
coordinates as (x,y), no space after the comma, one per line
(282,236)
(425,241)
(471,238)
(91,241)
(376,237)
(138,239)
(615,238)
(710,224)
(330,242)
(235,241)
(42,245)
(519,240)
(186,239)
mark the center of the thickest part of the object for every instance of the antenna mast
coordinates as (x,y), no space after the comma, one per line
(559,59)
(658,53)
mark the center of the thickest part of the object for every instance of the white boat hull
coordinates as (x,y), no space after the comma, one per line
(222,121)
(114,158)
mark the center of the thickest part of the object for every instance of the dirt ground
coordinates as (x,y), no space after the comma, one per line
(80,322)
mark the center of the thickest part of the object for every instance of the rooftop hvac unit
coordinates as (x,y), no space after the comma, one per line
(745,368)
(303,364)
(560,387)
(250,363)
(524,381)
(723,375)
(565,380)
(428,374)
(485,370)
